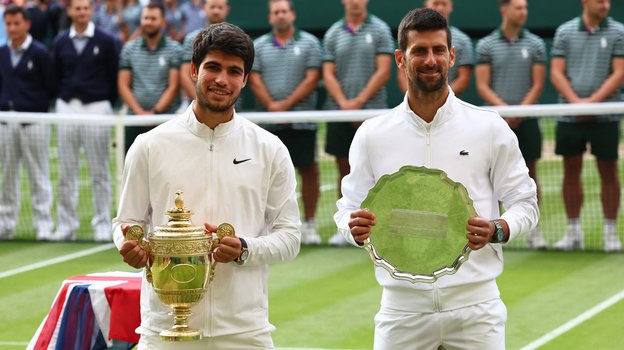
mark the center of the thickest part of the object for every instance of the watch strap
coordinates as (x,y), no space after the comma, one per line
(499,233)
(240,259)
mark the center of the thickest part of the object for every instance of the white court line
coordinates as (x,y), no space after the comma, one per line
(323,188)
(60,259)
(12,343)
(328,187)
(575,322)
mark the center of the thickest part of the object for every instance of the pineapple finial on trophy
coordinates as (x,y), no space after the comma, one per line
(179,202)
(179,215)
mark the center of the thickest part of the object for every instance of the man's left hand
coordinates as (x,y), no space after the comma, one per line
(480,231)
(228,250)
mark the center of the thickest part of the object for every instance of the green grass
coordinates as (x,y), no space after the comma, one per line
(327,297)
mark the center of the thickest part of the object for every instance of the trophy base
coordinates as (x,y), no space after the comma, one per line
(181,334)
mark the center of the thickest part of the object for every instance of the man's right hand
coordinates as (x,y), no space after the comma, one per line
(132,252)
(360,223)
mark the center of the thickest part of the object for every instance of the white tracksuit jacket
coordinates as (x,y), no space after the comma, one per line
(255,193)
(492,170)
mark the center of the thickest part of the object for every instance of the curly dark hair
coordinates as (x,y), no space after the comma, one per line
(224,37)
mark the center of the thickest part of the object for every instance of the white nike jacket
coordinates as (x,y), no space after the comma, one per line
(475,147)
(237,173)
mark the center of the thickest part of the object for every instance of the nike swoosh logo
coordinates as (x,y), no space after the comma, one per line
(240,161)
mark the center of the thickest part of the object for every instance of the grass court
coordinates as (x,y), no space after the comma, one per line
(327,297)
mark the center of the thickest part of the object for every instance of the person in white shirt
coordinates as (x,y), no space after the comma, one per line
(475,147)
(230,170)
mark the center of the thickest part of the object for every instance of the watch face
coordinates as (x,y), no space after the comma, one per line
(244,255)
(500,234)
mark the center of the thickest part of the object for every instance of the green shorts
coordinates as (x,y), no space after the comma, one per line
(604,137)
(338,139)
(529,136)
(301,145)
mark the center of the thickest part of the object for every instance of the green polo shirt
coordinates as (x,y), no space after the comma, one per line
(511,61)
(150,69)
(355,54)
(283,68)
(187,46)
(464,54)
(588,55)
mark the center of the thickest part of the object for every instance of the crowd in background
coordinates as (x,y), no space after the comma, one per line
(150,47)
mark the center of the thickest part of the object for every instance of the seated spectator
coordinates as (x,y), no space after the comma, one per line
(192,15)
(131,20)
(109,18)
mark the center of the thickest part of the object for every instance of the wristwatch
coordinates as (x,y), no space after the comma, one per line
(499,233)
(244,254)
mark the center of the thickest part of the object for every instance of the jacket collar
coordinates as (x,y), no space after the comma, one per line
(583,28)
(88,33)
(444,113)
(189,120)
(25,45)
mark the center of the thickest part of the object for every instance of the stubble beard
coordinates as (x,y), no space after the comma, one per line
(423,86)
(212,107)
(153,34)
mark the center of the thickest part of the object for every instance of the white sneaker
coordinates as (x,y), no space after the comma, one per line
(103,237)
(337,240)
(60,235)
(309,235)
(6,235)
(611,243)
(536,241)
(571,240)
(44,235)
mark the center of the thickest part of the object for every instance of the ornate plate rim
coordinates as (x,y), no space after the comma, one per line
(446,270)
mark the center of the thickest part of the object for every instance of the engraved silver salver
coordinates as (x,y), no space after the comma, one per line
(421,217)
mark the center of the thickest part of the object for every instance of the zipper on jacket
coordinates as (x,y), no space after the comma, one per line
(428,146)
(211,187)
(436,298)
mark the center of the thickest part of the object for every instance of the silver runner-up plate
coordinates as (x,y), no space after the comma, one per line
(421,217)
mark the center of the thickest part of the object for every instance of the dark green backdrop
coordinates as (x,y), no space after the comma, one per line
(475,17)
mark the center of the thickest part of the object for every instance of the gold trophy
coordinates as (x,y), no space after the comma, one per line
(182,265)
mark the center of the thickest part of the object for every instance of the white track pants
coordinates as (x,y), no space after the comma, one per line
(477,327)
(28,145)
(95,140)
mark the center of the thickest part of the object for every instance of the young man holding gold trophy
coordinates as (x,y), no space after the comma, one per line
(230,170)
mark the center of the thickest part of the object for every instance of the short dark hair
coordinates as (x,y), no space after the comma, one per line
(290,3)
(13,9)
(422,20)
(224,37)
(502,3)
(69,3)
(157,5)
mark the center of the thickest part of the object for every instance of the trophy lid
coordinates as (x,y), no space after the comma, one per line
(179,221)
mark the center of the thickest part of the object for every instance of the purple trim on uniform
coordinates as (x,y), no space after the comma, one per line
(276,43)
(348,29)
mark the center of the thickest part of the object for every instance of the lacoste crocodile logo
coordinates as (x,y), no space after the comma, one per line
(464,153)
(240,161)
